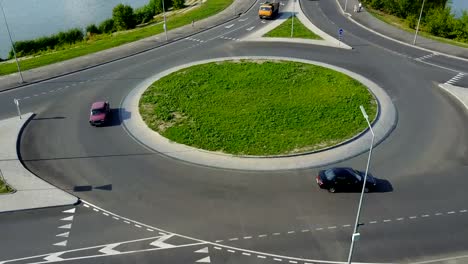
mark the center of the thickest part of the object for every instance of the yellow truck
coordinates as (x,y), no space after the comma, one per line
(268,10)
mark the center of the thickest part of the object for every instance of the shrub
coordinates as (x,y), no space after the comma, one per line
(93,29)
(144,14)
(178,4)
(156,5)
(123,17)
(412,21)
(440,22)
(107,26)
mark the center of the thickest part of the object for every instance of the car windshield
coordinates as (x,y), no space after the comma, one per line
(97,111)
(265,8)
(357,175)
(329,174)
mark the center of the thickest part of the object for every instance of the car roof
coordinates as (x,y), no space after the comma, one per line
(97,105)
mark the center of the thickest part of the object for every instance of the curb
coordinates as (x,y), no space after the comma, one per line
(384,124)
(349,16)
(127,56)
(452,90)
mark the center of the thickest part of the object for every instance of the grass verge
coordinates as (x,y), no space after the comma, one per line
(284,30)
(102,42)
(403,24)
(257,107)
(4,188)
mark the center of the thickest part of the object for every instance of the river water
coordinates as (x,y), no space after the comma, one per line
(29,19)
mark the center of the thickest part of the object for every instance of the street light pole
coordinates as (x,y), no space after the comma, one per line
(12,44)
(356,235)
(419,21)
(164,14)
(345,5)
(292,22)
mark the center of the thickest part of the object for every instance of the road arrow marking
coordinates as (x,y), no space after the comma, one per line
(250,28)
(204,260)
(69,218)
(203,250)
(263,22)
(230,26)
(54,257)
(62,244)
(243,19)
(69,211)
(66,234)
(68,226)
(160,242)
(108,250)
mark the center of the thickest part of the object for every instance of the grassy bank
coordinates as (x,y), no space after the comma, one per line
(403,24)
(284,30)
(257,108)
(4,188)
(102,42)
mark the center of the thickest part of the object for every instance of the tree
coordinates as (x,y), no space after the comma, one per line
(92,29)
(178,4)
(107,26)
(144,14)
(123,17)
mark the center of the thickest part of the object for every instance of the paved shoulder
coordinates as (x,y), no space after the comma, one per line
(30,191)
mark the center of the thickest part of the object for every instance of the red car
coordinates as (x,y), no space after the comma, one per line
(100,112)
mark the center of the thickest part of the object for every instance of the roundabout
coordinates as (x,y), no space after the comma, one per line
(146,199)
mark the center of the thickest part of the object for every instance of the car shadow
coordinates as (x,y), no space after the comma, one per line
(48,118)
(382,186)
(117,115)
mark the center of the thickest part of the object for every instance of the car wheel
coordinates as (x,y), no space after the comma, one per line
(332,190)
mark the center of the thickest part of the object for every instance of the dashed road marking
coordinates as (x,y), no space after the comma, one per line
(247,237)
(231,251)
(277,259)
(229,26)
(425,215)
(250,28)
(219,241)
(106,214)
(451,212)
(456,78)
(373,222)
(246,254)
(291,232)
(116,218)
(400,219)
(426,57)
(151,230)
(387,220)
(331,227)
(218,248)
(233,239)
(139,226)
(305,230)
(260,256)
(276,234)
(96,210)
(413,217)
(346,225)
(463,211)
(127,222)
(262,235)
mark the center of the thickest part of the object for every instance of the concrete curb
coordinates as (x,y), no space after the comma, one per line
(349,16)
(31,191)
(286,13)
(118,58)
(460,93)
(137,128)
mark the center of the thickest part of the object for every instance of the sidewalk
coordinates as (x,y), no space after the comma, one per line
(369,21)
(30,191)
(88,61)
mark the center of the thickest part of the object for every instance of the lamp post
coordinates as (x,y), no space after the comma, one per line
(345,5)
(164,14)
(292,22)
(356,235)
(12,44)
(419,21)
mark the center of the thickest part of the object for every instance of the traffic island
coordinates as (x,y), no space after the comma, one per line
(180,116)
(257,107)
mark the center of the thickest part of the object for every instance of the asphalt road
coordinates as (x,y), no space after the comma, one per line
(420,212)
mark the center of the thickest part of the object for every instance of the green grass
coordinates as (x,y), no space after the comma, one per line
(284,30)
(257,108)
(403,24)
(102,42)
(4,188)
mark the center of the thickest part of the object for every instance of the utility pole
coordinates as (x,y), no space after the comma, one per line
(164,14)
(12,45)
(419,21)
(293,15)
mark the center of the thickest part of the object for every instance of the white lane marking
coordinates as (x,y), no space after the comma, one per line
(203,250)
(27,97)
(305,230)
(231,251)
(319,228)
(61,244)
(263,22)
(438,66)
(451,212)
(96,210)
(233,239)
(36,95)
(246,254)
(263,235)
(277,259)
(151,230)
(387,220)
(292,261)
(229,26)
(400,219)
(85,205)
(116,218)
(160,242)
(413,217)
(331,227)
(426,57)
(218,248)
(69,211)
(51,91)
(438,214)
(69,218)
(373,222)
(218,241)
(243,19)
(276,234)
(346,225)
(463,211)
(106,214)
(443,260)
(67,226)
(425,215)
(66,234)
(291,232)
(127,222)
(139,226)
(52,257)
(250,28)
(247,237)
(109,249)
(260,256)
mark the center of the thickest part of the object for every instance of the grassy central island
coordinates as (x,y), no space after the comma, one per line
(257,107)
